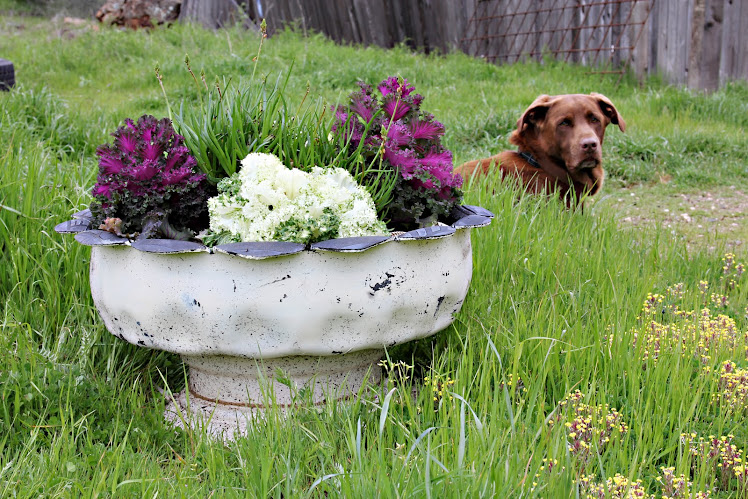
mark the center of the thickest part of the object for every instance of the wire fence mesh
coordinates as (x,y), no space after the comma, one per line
(602,34)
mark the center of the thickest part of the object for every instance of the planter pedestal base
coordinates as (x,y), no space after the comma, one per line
(277,323)
(225,392)
(268,323)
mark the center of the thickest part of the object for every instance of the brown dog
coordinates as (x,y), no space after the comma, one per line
(559,140)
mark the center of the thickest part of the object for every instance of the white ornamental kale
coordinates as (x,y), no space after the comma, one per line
(266,201)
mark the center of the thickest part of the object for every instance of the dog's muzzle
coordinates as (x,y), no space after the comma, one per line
(588,164)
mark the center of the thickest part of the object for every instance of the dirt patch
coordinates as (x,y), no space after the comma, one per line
(713,220)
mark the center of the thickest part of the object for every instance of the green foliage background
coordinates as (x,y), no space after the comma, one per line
(81,410)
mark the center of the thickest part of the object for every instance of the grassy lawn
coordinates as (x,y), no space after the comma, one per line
(595,344)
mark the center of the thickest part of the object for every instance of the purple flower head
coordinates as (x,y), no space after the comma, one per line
(438,159)
(341,115)
(152,151)
(165,133)
(392,85)
(178,155)
(363,105)
(145,171)
(439,165)
(177,175)
(126,142)
(197,178)
(405,160)
(365,87)
(427,184)
(102,190)
(109,164)
(191,163)
(426,130)
(147,134)
(388,86)
(395,108)
(410,142)
(457,181)
(347,125)
(397,134)
(152,174)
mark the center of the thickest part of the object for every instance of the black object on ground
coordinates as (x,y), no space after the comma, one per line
(7,75)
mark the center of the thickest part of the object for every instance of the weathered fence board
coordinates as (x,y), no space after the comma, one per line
(648,36)
(426,25)
(721,54)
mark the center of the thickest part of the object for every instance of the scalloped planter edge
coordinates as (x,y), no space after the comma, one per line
(240,314)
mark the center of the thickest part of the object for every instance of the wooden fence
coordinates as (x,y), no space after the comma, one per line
(425,25)
(602,34)
(700,43)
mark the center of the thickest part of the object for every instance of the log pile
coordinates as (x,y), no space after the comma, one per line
(139,13)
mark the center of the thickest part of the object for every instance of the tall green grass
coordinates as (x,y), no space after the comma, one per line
(555,300)
(699,140)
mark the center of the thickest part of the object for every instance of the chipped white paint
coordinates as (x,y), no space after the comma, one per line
(324,318)
(226,391)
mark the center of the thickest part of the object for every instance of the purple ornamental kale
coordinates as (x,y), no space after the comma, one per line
(147,179)
(410,141)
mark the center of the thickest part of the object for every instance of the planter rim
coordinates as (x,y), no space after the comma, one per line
(311,303)
(462,217)
(322,317)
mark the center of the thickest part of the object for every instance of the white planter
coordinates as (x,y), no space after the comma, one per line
(323,316)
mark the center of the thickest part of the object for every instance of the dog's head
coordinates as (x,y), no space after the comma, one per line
(565,134)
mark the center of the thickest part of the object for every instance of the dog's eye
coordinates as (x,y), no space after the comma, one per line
(565,123)
(593,119)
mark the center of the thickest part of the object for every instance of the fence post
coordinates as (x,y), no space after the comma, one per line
(697,35)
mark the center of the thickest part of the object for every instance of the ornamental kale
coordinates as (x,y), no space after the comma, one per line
(147,183)
(396,132)
(266,201)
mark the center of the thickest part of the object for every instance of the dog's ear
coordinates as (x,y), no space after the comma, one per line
(535,113)
(526,126)
(609,110)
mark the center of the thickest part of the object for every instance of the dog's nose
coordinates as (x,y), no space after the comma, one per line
(589,145)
